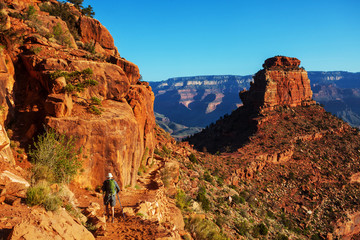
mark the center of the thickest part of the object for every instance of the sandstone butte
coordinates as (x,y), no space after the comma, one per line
(281,83)
(116,140)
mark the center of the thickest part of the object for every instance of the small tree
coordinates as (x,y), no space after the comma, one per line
(77,3)
(88,11)
(57,154)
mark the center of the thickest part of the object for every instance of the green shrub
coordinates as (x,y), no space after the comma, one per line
(61,36)
(238,199)
(166,151)
(242,228)
(316,237)
(42,172)
(88,11)
(281,237)
(37,194)
(63,11)
(35,50)
(260,229)
(201,197)
(207,177)
(95,110)
(52,203)
(90,47)
(193,158)
(58,153)
(90,82)
(182,200)
(205,229)
(69,88)
(97,101)
(31,12)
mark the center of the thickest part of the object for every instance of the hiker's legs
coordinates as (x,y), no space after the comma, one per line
(107,210)
(113,212)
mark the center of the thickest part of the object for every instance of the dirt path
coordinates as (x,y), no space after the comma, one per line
(132,227)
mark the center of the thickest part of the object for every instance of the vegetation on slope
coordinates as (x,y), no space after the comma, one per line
(295,168)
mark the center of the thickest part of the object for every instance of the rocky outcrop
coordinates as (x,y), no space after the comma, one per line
(118,135)
(6,154)
(111,143)
(7,81)
(281,83)
(49,225)
(92,30)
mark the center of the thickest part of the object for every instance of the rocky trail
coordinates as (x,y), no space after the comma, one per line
(137,203)
(131,225)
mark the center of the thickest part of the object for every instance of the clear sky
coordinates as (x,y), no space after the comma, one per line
(175,38)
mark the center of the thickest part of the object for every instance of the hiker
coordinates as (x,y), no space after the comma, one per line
(110,188)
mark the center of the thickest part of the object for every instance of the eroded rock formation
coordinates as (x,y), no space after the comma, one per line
(281,82)
(116,134)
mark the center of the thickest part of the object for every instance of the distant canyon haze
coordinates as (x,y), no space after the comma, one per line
(185,105)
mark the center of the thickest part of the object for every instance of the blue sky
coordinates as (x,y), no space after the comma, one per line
(173,38)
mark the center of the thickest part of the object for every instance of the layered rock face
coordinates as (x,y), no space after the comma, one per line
(281,82)
(117,135)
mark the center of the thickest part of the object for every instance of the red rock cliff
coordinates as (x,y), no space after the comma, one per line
(281,82)
(119,137)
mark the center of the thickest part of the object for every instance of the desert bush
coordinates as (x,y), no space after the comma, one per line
(193,158)
(95,110)
(31,12)
(260,229)
(281,237)
(238,199)
(166,151)
(204,229)
(201,197)
(207,177)
(90,47)
(57,153)
(52,203)
(37,194)
(242,228)
(61,36)
(95,101)
(42,172)
(182,200)
(64,12)
(41,194)
(35,50)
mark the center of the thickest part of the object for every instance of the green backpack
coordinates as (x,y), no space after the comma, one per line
(111,188)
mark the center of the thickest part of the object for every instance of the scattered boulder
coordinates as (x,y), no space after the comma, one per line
(59,105)
(49,225)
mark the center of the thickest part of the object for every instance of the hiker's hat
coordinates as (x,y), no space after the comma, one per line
(109,175)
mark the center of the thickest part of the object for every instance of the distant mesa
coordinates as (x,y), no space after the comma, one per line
(281,83)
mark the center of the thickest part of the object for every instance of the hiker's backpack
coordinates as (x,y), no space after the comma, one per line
(110,187)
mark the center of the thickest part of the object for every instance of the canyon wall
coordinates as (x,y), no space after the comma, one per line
(91,94)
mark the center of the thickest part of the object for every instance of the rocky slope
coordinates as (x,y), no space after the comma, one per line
(300,162)
(337,91)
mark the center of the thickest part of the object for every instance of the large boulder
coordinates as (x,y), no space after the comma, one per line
(50,225)
(92,30)
(6,154)
(111,143)
(281,83)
